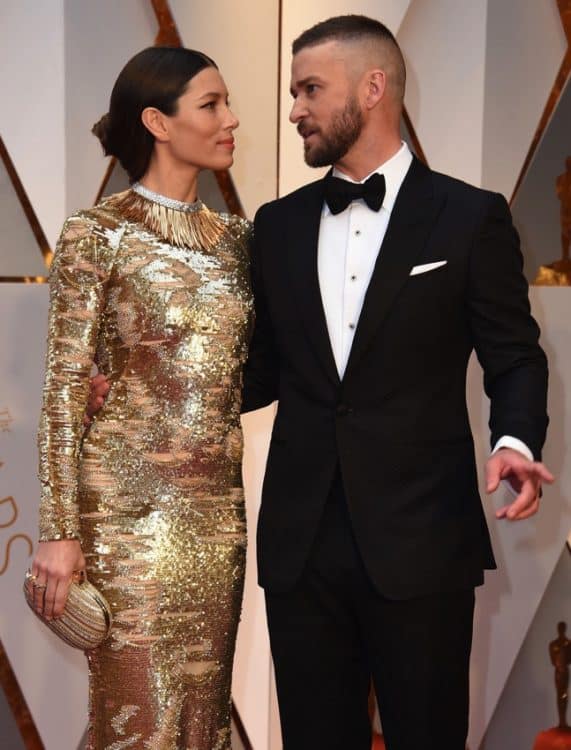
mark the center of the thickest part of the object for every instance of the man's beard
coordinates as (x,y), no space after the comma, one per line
(343,132)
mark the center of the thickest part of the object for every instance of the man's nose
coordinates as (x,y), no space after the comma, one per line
(297,111)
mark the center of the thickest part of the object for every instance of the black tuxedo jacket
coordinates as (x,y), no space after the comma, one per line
(397,423)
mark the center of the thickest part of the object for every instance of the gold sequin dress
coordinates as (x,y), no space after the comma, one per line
(157,293)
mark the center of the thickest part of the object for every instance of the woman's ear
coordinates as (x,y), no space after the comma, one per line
(155,122)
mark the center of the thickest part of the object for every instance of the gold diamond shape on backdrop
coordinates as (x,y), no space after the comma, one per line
(26,229)
(536,208)
(564,7)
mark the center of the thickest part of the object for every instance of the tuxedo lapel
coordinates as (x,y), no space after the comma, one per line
(413,216)
(302,243)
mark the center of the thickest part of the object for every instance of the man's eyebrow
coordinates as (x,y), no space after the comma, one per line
(304,82)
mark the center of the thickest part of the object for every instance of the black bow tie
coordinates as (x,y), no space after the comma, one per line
(340,193)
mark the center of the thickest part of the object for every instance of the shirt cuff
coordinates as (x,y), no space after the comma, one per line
(506,441)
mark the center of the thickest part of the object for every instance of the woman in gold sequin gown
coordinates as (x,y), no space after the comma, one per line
(154,288)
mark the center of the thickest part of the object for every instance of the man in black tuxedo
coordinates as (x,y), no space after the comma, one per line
(372,287)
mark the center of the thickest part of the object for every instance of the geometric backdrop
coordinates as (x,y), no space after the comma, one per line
(482,106)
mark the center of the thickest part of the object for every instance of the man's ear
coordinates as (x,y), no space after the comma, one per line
(155,122)
(376,84)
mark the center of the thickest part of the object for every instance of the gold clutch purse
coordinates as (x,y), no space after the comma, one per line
(86,619)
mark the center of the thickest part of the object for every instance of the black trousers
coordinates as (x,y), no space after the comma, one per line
(332,632)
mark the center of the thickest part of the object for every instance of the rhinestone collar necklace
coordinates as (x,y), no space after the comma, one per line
(162,200)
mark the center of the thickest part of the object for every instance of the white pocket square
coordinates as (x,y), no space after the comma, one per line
(427,267)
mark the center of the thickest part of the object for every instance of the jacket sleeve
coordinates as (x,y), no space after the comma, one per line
(78,277)
(261,371)
(505,333)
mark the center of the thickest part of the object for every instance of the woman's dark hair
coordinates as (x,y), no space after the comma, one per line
(155,77)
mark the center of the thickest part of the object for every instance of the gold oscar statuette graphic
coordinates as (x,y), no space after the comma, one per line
(6,420)
(558,273)
(558,738)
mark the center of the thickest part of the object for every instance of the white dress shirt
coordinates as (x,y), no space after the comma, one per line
(348,246)
(347,251)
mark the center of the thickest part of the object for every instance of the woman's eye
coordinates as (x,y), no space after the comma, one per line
(209,105)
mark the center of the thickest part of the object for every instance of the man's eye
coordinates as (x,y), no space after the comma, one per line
(311,88)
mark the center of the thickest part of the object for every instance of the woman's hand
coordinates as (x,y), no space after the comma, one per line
(53,568)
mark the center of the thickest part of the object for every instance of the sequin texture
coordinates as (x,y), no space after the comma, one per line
(153,487)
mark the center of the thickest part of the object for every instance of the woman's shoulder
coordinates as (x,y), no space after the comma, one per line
(238,227)
(103,216)
(94,231)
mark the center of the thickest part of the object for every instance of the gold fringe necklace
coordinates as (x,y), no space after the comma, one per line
(182,224)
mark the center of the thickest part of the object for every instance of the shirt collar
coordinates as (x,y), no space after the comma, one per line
(394,171)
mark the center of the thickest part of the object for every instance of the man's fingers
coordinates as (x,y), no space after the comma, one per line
(523,501)
(98,380)
(525,504)
(493,476)
(518,472)
(543,473)
(531,511)
(94,404)
(526,512)
(532,471)
(99,385)
(513,514)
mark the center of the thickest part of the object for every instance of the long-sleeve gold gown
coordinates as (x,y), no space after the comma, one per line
(156,292)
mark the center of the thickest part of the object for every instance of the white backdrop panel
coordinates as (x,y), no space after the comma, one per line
(20,254)
(524,48)
(99,39)
(527,551)
(252,688)
(52,676)
(33,106)
(445,84)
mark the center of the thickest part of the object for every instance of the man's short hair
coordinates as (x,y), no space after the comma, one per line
(354,28)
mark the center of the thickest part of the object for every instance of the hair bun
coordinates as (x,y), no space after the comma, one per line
(102,129)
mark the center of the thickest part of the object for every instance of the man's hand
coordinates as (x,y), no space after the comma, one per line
(99,388)
(524,476)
